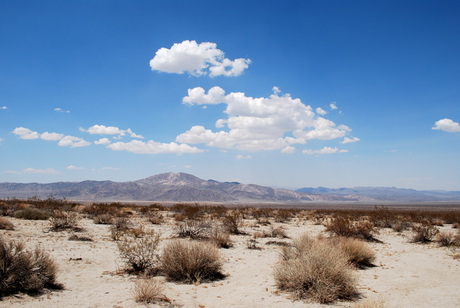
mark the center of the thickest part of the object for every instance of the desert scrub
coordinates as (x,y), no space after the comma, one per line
(220,238)
(149,291)
(348,227)
(194,229)
(232,222)
(6,224)
(31,214)
(25,271)
(191,261)
(358,253)
(315,270)
(61,220)
(140,253)
(424,232)
(448,239)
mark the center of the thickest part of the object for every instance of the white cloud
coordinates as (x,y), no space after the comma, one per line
(255,124)
(25,133)
(72,167)
(51,136)
(197,59)
(61,110)
(110,130)
(3,107)
(73,142)
(153,147)
(447,125)
(333,106)
(320,111)
(11,172)
(276,90)
(325,150)
(102,141)
(41,171)
(350,140)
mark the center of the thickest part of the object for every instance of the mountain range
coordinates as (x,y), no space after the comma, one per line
(185,187)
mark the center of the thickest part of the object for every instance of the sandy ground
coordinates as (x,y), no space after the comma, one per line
(405,275)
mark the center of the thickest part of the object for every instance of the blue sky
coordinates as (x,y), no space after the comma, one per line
(280,93)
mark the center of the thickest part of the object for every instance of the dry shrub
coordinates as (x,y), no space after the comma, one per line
(6,224)
(358,253)
(32,214)
(232,222)
(424,233)
(252,244)
(190,261)
(149,291)
(448,239)
(140,254)
(194,229)
(275,232)
(103,219)
(156,218)
(346,226)
(25,271)
(220,238)
(61,220)
(74,237)
(120,226)
(315,270)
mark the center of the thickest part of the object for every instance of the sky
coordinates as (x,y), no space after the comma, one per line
(279,93)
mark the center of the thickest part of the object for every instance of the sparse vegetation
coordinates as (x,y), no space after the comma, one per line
(6,224)
(149,291)
(448,239)
(191,261)
(316,270)
(61,220)
(25,271)
(140,253)
(348,227)
(424,232)
(32,214)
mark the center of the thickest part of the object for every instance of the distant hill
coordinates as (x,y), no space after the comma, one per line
(386,193)
(189,188)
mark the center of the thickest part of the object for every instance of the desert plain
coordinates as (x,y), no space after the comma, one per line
(403,273)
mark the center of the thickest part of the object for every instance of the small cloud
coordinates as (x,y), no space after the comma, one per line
(276,90)
(321,111)
(153,147)
(102,141)
(325,150)
(240,156)
(333,106)
(187,167)
(41,171)
(447,125)
(110,130)
(61,110)
(197,60)
(73,142)
(72,167)
(25,133)
(3,107)
(350,140)
(51,136)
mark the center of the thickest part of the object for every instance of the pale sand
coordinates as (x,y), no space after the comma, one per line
(406,275)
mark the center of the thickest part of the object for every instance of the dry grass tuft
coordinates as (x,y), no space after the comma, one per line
(6,224)
(448,239)
(25,271)
(149,291)
(314,269)
(358,253)
(190,261)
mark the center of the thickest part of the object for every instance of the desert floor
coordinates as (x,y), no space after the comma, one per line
(405,274)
